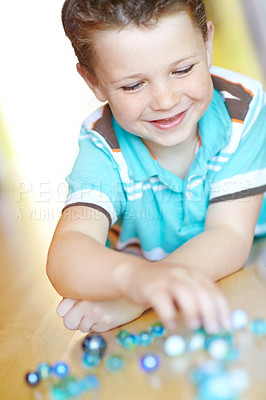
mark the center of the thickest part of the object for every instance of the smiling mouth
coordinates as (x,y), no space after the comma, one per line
(168,123)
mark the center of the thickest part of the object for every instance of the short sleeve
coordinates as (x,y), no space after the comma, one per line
(241,166)
(95,180)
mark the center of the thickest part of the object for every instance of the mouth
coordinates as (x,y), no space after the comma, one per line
(168,123)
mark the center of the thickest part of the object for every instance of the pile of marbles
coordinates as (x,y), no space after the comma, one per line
(63,385)
(94,347)
(214,377)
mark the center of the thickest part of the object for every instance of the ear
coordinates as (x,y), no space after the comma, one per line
(92,82)
(209,43)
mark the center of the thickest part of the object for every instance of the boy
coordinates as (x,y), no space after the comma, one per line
(176,157)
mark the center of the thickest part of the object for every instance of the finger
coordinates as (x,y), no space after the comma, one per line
(165,308)
(85,325)
(191,296)
(213,306)
(88,324)
(207,300)
(187,304)
(223,311)
(65,306)
(201,292)
(73,318)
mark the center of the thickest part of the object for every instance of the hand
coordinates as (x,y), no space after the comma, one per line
(167,288)
(100,316)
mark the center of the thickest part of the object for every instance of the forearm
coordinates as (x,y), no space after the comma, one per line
(217,252)
(80,267)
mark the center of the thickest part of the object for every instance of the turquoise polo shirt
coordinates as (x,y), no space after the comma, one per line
(116,174)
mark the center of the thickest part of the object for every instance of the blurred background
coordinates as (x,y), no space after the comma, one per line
(43,101)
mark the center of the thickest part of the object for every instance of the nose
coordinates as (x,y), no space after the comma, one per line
(164,96)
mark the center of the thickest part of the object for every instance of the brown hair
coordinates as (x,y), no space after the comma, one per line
(81,18)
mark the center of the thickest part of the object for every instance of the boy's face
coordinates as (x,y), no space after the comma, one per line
(156,80)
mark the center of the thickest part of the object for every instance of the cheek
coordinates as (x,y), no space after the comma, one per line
(126,107)
(207,91)
(201,89)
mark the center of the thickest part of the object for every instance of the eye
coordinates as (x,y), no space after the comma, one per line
(183,71)
(129,88)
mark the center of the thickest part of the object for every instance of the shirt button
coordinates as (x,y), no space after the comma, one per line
(189,195)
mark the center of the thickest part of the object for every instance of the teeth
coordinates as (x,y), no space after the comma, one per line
(167,119)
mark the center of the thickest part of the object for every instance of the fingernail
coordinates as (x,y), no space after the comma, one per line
(61,311)
(63,307)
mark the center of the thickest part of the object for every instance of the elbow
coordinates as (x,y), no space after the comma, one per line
(58,271)
(52,275)
(55,274)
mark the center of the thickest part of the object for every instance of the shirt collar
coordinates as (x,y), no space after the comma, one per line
(141,165)
(215,126)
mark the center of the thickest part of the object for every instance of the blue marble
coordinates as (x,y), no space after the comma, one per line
(206,370)
(74,388)
(94,344)
(219,349)
(90,360)
(114,363)
(150,362)
(224,335)
(90,382)
(218,387)
(121,336)
(131,341)
(175,346)
(196,342)
(57,393)
(239,319)
(145,338)
(44,371)
(157,329)
(65,388)
(32,378)
(61,369)
(258,327)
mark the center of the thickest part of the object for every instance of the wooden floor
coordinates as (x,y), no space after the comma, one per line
(31,332)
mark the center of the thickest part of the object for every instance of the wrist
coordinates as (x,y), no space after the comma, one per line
(122,275)
(127,273)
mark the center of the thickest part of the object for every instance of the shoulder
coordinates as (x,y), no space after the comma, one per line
(243,95)
(99,144)
(99,126)
(244,98)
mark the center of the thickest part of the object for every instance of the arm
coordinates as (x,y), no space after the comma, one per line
(224,246)
(79,229)
(81,267)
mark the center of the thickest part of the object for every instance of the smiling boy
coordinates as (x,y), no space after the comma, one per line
(177,161)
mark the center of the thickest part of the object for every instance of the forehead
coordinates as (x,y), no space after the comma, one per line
(132,46)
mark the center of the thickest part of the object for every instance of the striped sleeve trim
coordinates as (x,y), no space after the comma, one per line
(246,184)
(91,205)
(95,198)
(239,195)
(237,97)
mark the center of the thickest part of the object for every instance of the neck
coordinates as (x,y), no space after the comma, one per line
(176,159)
